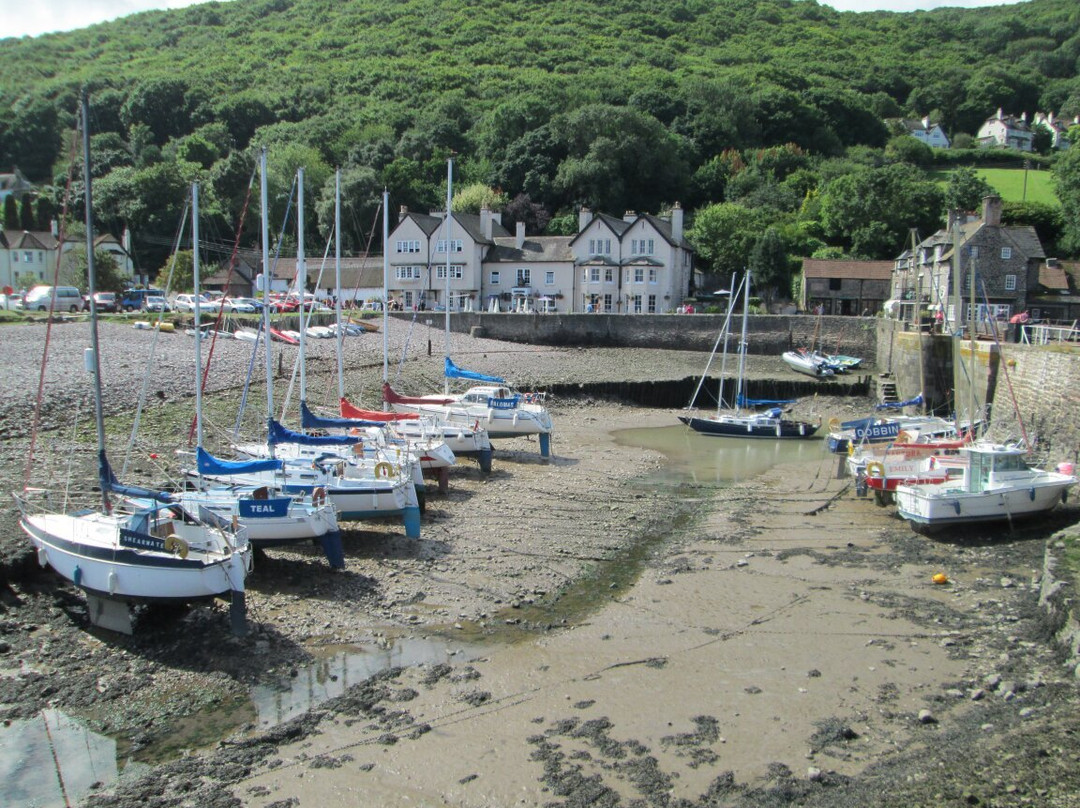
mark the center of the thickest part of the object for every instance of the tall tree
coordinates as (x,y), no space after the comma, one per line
(1067,185)
(770,267)
(26,212)
(724,235)
(11,213)
(965,189)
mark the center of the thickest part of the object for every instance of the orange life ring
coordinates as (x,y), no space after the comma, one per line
(318,495)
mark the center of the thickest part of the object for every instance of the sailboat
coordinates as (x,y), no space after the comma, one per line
(358,488)
(121,555)
(501,411)
(271,517)
(739,422)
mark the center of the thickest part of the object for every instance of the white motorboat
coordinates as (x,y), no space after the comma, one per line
(997,484)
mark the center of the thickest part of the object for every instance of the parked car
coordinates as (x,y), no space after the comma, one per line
(186,302)
(11,301)
(105,302)
(241,305)
(133,299)
(58,298)
(156,303)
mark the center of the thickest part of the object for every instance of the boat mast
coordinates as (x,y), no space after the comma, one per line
(386,292)
(91,283)
(742,343)
(264,202)
(337,286)
(957,328)
(449,192)
(301,277)
(198,312)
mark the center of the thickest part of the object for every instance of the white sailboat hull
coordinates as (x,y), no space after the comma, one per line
(86,550)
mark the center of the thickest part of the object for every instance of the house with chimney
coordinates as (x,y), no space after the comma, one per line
(1002,131)
(929,133)
(846,287)
(1058,128)
(29,257)
(979,258)
(639,264)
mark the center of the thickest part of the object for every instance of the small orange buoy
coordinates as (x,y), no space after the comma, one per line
(940,578)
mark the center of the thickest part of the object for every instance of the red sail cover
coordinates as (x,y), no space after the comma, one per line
(391,397)
(349,411)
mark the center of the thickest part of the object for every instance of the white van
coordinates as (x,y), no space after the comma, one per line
(41,298)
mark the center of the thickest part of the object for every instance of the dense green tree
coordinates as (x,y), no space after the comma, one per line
(177,272)
(29,137)
(769,266)
(1067,185)
(107,274)
(11,212)
(965,189)
(472,198)
(161,105)
(361,206)
(44,212)
(26,212)
(908,149)
(723,236)
(871,212)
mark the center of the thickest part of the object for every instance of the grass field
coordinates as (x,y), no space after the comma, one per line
(1009,182)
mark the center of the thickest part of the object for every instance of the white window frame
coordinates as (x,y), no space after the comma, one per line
(524,276)
(408,246)
(549,277)
(1006,253)
(652,275)
(456,245)
(607,301)
(636,302)
(28,256)
(410,272)
(639,274)
(457,271)
(651,304)
(594,275)
(609,275)
(493,278)
(1010,283)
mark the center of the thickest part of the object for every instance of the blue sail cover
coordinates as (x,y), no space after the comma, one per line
(210,465)
(310,420)
(743,401)
(452,371)
(895,405)
(110,483)
(280,434)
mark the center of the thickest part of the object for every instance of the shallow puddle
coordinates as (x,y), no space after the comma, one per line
(52,760)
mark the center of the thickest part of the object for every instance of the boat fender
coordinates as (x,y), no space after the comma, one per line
(834,424)
(384,470)
(112,582)
(318,495)
(956,505)
(76,576)
(875,469)
(1031,494)
(42,557)
(932,462)
(174,544)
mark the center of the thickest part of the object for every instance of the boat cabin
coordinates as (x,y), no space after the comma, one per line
(992,463)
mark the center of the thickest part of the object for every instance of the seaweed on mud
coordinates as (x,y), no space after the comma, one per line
(831,732)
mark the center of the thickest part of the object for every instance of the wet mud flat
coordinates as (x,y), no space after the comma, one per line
(786,647)
(781,644)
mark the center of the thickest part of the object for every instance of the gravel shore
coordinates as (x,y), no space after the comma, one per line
(607,642)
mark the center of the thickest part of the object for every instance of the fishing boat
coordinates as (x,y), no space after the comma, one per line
(739,422)
(996,484)
(120,554)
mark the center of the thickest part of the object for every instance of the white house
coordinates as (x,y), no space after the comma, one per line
(1058,128)
(929,133)
(1005,132)
(640,264)
(29,257)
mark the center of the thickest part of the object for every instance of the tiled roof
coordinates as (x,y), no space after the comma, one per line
(534,250)
(865,270)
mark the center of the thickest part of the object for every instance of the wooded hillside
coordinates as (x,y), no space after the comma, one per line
(620,104)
